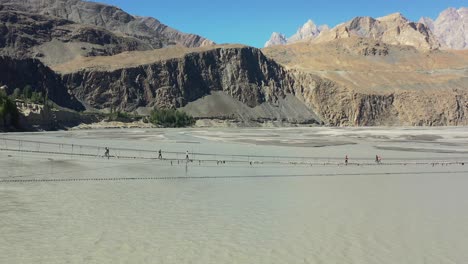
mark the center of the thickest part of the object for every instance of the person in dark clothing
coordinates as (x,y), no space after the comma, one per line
(107,153)
(159,154)
(346,160)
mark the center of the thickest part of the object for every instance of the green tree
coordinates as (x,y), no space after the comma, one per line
(8,112)
(171,118)
(36,97)
(27,92)
(16,93)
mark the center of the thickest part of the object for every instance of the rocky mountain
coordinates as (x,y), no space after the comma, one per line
(227,82)
(450,28)
(393,29)
(375,83)
(385,71)
(54,40)
(308,31)
(276,39)
(111,18)
(357,88)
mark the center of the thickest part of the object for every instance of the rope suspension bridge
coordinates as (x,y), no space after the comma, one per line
(44,149)
(80,150)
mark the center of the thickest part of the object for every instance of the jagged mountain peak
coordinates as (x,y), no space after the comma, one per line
(276,39)
(307,31)
(393,29)
(451,28)
(395,17)
(309,24)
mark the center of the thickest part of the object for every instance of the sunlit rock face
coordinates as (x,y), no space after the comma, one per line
(451,28)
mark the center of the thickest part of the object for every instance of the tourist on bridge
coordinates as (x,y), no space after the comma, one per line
(377,159)
(187,155)
(159,154)
(346,160)
(107,154)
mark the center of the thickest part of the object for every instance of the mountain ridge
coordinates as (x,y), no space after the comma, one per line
(109,17)
(370,71)
(448,31)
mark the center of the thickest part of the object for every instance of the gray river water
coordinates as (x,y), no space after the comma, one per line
(62,202)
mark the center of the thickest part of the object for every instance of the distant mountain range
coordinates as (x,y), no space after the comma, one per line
(368,71)
(448,31)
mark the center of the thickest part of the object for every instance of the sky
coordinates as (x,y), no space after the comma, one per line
(251,22)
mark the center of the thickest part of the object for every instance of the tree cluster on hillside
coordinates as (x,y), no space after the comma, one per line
(9,115)
(29,95)
(171,118)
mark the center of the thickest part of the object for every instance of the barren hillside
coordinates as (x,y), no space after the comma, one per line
(373,66)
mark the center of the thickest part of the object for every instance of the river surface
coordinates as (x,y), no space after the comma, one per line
(245,196)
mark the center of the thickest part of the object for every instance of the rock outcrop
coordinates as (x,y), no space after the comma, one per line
(108,17)
(18,73)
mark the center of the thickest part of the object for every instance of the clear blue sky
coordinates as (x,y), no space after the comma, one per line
(251,22)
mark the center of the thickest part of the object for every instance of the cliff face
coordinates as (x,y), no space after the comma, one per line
(17,73)
(339,106)
(374,83)
(206,80)
(243,73)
